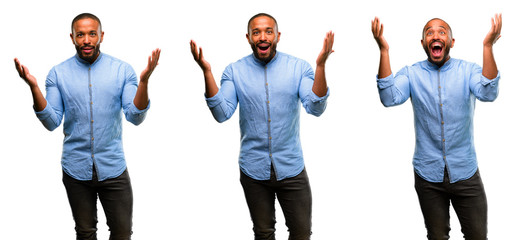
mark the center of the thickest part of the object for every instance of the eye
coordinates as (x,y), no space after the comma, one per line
(92,34)
(429,34)
(255,33)
(442,33)
(270,32)
(79,34)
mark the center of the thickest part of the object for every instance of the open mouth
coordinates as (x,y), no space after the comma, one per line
(437,48)
(263,47)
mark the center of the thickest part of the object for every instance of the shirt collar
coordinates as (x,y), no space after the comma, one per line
(84,62)
(447,65)
(261,63)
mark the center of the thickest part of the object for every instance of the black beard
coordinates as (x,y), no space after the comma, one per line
(444,59)
(266,59)
(92,57)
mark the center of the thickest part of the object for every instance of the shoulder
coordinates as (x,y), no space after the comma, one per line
(108,59)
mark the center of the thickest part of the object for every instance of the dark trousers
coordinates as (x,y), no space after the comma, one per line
(468,199)
(116,197)
(294,196)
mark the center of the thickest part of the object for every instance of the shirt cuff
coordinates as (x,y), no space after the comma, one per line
(45,113)
(493,82)
(214,100)
(135,111)
(385,82)
(315,98)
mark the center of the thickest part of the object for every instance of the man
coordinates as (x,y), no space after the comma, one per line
(91,89)
(267,86)
(443,91)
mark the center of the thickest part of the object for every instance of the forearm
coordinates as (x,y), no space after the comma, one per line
(384,67)
(489,66)
(39,101)
(141,99)
(320,85)
(211,85)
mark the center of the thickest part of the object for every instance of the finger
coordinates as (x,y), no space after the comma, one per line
(18,69)
(200,54)
(193,50)
(374,26)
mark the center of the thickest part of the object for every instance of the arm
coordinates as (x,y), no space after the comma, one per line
(39,102)
(392,90)
(223,104)
(489,67)
(141,99)
(320,86)
(384,68)
(198,55)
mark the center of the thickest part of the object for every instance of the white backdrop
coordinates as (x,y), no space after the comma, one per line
(183,164)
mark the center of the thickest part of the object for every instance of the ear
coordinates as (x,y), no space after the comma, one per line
(278,37)
(452,42)
(247,37)
(102,37)
(72,38)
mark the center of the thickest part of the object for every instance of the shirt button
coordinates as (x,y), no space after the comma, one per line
(442,122)
(443,140)
(270,138)
(444,157)
(92,139)
(269,120)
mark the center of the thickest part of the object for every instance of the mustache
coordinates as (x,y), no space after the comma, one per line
(87,46)
(264,42)
(437,40)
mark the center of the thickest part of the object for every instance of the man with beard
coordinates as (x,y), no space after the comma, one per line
(91,89)
(443,91)
(268,87)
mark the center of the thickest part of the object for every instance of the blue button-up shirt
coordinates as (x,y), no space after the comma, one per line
(91,97)
(268,97)
(443,102)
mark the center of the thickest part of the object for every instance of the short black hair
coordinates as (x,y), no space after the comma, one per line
(262,15)
(84,16)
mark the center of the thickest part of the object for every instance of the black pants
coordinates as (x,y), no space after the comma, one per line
(468,199)
(294,196)
(116,197)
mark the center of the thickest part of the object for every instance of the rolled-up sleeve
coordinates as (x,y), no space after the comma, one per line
(484,89)
(393,90)
(51,115)
(132,113)
(224,103)
(312,103)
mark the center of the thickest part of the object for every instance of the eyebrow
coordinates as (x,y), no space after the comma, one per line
(425,30)
(260,29)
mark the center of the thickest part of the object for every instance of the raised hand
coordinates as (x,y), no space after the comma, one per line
(378,29)
(23,72)
(198,55)
(327,48)
(152,62)
(494,32)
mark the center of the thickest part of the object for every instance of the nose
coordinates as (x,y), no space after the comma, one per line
(85,39)
(263,36)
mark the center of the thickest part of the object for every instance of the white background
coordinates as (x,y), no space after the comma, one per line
(183,164)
